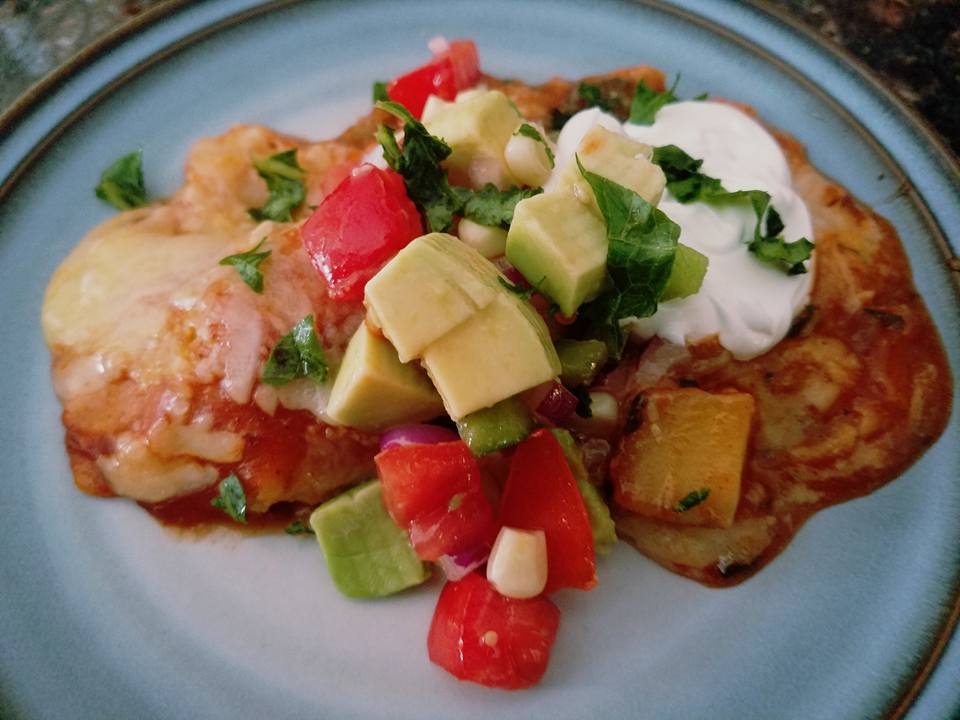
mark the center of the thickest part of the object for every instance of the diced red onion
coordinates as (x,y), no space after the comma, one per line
(456,567)
(516,277)
(438,45)
(657,358)
(416,435)
(558,404)
(596,458)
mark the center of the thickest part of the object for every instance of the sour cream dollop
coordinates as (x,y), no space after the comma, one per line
(748,304)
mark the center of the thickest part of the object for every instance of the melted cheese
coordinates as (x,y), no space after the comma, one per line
(110,300)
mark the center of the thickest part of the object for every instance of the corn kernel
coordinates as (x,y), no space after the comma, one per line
(517,566)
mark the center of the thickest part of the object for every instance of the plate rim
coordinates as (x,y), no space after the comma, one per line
(28,102)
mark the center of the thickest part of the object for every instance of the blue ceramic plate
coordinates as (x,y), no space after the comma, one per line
(105,614)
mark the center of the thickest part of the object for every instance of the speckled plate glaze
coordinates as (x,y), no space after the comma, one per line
(105,614)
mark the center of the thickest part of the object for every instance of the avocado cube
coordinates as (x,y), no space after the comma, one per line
(367,554)
(683,463)
(374,390)
(560,247)
(477,128)
(617,158)
(502,350)
(428,288)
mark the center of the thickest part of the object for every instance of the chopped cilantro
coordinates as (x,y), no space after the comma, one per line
(593,96)
(489,206)
(642,246)
(284,178)
(684,179)
(688,184)
(786,256)
(297,354)
(121,184)
(524,292)
(419,165)
(418,162)
(647,102)
(380,91)
(232,499)
(528,130)
(298,527)
(247,265)
(691,500)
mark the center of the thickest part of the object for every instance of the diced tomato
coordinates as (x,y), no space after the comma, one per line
(455,69)
(479,635)
(541,494)
(435,493)
(465,523)
(358,227)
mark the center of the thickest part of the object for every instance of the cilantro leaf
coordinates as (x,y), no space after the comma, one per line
(770,248)
(247,264)
(284,178)
(524,292)
(642,246)
(684,179)
(298,527)
(297,354)
(687,184)
(419,165)
(489,206)
(592,96)
(647,102)
(528,130)
(691,500)
(121,184)
(232,499)
(787,256)
(380,91)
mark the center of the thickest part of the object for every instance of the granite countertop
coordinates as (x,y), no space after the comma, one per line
(913,45)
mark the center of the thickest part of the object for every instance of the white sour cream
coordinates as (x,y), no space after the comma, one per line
(748,304)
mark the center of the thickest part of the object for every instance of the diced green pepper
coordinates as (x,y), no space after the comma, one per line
(496,427)
(580,360)
(686,277)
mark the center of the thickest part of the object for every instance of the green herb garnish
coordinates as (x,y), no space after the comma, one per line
(691,500)
(524,292)
(642,246)
(647,102)
(247,264)
(297,354)
(298,527)
(493,207)
(121,184)
(592,96)
(418,163)
(684,179)
(528,130)
(232,499)
(284,178)
(380,91)
(687,184)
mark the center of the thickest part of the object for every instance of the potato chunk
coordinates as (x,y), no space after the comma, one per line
(683,463)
